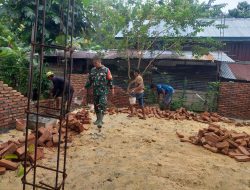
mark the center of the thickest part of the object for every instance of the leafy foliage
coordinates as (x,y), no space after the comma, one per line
(212,96)
(242,10)
(14,62)
(20,171)
(147,26)
(10,156)
(19,16)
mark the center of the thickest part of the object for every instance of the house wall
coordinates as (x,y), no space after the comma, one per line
(238,51)
(234,100)
(12,106)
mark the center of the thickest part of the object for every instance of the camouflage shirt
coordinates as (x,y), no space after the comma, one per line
(100,79)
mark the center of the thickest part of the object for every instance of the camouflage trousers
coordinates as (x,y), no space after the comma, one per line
(100,103)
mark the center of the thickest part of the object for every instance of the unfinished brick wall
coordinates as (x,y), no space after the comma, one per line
(234,100)
(78,81)
(12,105)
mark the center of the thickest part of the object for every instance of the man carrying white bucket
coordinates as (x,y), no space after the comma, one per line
(136,93)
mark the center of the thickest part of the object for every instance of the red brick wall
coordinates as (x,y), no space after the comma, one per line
(78,81)
(234,100)
(12,105)
(120,99)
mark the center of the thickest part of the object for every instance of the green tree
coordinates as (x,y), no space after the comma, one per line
(14,62)
(19,16)
(105,18)
(213,10)
(147,26)
(242,10)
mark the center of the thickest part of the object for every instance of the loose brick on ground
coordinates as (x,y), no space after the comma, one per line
(46,136)
(9,165)
(179,135)
(243,150)
(2,170)
(20,151)
(40,154)
(222,145)
(11,148)
(211,148)
(242,158)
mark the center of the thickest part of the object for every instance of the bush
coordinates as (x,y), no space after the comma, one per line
(14,64)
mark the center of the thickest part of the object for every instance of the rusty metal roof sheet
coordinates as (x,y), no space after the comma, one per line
(235,71)
(225,72)
(240,71)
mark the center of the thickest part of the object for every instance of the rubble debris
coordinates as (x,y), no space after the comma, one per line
(224,141)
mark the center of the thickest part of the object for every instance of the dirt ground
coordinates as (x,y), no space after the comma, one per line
(135,154)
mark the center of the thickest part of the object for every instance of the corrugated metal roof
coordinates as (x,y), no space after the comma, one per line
(235,71)
(240,71)
(235,28)
(185,55)
(221,56)
(225,72)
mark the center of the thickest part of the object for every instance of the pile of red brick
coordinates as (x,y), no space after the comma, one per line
(179,114)
(47,137)
(18,148)
(221,140)
(77,121)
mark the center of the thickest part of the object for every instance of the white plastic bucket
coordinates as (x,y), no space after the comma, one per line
(132,100)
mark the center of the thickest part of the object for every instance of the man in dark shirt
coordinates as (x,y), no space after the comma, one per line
(57,91)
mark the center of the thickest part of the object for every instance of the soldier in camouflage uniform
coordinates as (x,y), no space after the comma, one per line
(100,78)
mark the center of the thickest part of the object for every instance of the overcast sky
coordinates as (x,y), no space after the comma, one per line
(230,3)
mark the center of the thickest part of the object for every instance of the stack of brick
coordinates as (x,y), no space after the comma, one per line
(12,105)
(220,140)
(234,100)
(179,114)
(76,122)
